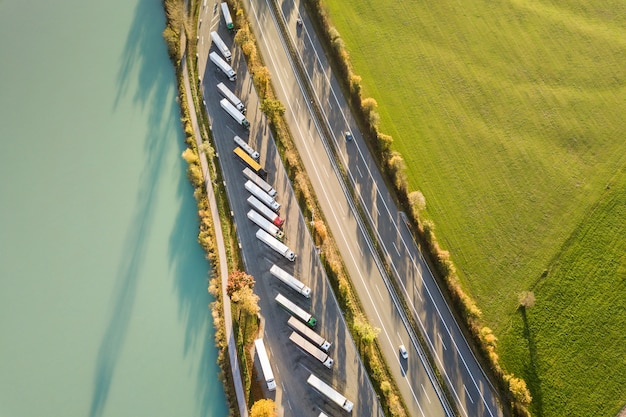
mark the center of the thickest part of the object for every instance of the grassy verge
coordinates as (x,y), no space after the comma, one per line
(507,117)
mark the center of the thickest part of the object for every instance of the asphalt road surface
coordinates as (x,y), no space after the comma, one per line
(471,391)
(290,365)
(415,382)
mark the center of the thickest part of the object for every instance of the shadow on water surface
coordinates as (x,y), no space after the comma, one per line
(190,267)
(145,55)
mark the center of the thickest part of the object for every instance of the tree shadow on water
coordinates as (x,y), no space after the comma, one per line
(190,268)
(145,55)
(145,52)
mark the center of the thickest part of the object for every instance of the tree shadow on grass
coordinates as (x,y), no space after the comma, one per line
(145,53)
(530,370)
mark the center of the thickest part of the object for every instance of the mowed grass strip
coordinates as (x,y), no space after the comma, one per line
(510,116)
(571,347)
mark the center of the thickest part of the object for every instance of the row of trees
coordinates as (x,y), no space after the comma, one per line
(394,166)
(240,284)
(363,333)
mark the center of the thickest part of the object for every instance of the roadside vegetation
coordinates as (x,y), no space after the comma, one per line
(240,285)
(508,119)
(362,332)
(245,327)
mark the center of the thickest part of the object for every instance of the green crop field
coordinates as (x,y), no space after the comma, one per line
(511,116)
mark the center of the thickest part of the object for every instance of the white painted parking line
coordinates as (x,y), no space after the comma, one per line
(426,394)
(396,248)
(417,291)
(468,394)
(442,344)
(379,293)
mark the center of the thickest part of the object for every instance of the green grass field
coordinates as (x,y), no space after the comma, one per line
(511,118)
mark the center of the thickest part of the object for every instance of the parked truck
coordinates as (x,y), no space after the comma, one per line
(329,392)
(275,244)
(227,18)
(260,182)
(223,66)
(252,164)
(317,340)
(249,150)
(221,46)
(310,348)
(230,96)
(261,195)
(290,280)
(296,311)
(266,225)
(266,367)
(262,208)
(234,113)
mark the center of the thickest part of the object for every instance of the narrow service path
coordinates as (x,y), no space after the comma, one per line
(221,250)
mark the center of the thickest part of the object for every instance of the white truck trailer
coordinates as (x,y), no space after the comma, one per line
(249,150)
(266,225)
(256,191)
(227,18)
(309,334)
(230,96)
(330,393)
(223,66)
(263,185)
(266,367)
(221,46)
(275,244)
(290,280)
(310,348)
(234,113)
(262,208)
(295,310)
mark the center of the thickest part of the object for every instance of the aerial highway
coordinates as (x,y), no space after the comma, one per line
(291,365)
(416,383)
(470,389)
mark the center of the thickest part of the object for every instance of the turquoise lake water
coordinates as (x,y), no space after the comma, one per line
(103,300)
